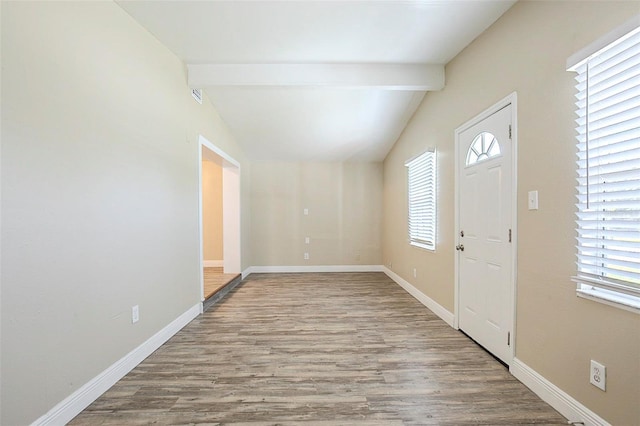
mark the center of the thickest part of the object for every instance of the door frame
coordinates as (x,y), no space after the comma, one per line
(231,216)
(512,100)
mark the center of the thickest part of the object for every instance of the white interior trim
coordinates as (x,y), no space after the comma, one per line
(219,152)
(72,405)
(415,157)
(554,396)
(608,297)
(231,240)
(317,268)
(583,54)
(433,306)
(231,211)
(512,100)
(413,77)
(247,272)
(200,228)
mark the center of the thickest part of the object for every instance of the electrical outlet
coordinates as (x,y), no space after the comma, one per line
(415,273)
(305,211)
(306,256)
(135,314)
(598,375)
(307,240)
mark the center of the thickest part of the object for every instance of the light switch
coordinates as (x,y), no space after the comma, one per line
(306,212)
(533,200)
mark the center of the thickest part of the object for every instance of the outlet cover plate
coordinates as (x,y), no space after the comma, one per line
(598,375)
(135,314)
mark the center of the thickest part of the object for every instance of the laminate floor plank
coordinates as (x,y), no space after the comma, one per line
(319,349)
(215,279)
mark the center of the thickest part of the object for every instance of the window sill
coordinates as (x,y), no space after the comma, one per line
(612,298)
(423,246)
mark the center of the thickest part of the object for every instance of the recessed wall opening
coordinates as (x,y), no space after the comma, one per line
(219,221)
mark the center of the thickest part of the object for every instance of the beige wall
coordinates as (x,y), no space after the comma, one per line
(97,121)
(211,211)
(557,333)
(345,213)
(99,195)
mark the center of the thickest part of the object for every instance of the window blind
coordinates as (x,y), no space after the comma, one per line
(422,200)
(608,188)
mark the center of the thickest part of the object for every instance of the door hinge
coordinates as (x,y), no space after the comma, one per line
(509,131)
(508,338)
(509,235)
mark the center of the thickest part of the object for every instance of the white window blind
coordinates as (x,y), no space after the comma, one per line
(608,188)
(422,200)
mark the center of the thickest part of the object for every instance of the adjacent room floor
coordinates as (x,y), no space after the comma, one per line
(215,279)
(322,349)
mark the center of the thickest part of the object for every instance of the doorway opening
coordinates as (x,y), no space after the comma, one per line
(219,190)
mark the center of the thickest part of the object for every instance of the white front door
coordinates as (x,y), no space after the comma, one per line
(485,284)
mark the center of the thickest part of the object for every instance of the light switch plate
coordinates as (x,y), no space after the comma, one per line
(533,200)
(135,314)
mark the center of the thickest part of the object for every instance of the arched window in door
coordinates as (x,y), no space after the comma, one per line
(483,147)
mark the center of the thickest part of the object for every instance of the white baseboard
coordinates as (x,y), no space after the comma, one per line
(424,299)
(554,396)
(247,272)
(318,268)
(72,405)
(213,263)
(434,306)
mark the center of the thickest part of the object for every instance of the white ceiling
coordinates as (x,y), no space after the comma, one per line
(316,80)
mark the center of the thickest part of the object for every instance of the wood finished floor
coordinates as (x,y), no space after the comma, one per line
(319,349)
(215,279)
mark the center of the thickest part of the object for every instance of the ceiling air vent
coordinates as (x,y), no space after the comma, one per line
(197,95)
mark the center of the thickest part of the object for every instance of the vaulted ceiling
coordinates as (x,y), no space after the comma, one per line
(316,80)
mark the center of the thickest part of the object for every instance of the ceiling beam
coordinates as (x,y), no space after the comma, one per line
(413,77)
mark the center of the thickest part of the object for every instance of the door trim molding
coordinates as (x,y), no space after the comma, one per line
(230,183)
(512,100)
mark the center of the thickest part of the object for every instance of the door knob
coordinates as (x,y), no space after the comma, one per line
(460,247)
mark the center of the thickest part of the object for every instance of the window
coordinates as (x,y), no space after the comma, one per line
(422,200)
(608,188)
(483,147)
